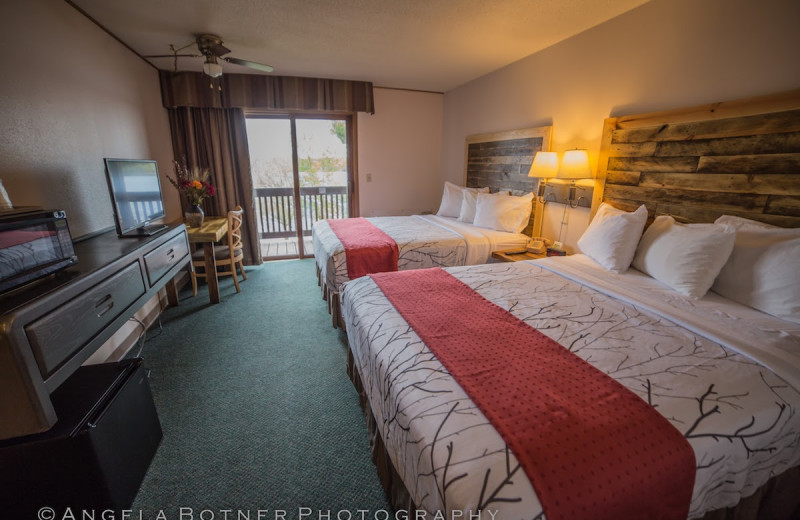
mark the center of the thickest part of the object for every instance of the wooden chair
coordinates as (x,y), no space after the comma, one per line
(229,255)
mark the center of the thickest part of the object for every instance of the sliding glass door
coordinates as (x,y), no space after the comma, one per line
(302,172)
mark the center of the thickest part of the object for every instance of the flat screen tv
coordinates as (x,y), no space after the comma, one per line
(136,196)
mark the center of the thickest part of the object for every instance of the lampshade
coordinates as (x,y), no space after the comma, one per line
(544,166)
(211,67)
(575,165)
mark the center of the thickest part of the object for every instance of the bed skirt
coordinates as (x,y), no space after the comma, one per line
(778,499)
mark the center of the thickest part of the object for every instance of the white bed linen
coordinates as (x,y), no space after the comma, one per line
(771,341)
(740,418)
(422,240)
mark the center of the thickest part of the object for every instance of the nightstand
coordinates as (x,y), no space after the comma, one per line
(506,256)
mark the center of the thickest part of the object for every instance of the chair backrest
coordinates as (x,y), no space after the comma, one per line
(235,217)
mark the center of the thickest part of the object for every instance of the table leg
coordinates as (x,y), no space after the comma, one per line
(172,292)
(211,272)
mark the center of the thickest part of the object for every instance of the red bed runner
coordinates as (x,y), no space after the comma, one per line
(367,248)
(590,447)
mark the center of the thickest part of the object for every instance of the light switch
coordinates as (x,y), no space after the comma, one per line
(369,177)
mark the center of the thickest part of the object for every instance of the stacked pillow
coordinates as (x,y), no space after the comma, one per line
(503,212)
(763,271)
(469,204)
(686,257)
(477,206)
(749,262)
(453,197)
(611,238)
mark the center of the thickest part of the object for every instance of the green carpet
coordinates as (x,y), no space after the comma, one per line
(256,407)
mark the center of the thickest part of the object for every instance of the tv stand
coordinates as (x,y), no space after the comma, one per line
(145,231)
(48,329)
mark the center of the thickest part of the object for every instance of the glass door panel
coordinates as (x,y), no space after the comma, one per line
(270,143)
(301,174)
(323,171)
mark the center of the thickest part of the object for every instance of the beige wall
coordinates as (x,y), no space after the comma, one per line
(400,149)
(71,95)
(665,54)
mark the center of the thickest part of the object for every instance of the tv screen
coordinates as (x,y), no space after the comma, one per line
(136,195)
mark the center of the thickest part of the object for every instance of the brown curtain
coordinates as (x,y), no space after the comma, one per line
(253,91)
(216,138)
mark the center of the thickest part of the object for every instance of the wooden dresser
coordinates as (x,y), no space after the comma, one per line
(49,328)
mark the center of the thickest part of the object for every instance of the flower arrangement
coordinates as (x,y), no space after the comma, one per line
(192,181)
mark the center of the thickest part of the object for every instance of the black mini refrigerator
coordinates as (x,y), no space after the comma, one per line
(95,456)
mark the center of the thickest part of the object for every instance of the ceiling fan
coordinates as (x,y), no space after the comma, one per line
(211,48)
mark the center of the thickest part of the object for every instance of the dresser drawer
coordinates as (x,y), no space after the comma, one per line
(56,336)
(161,259)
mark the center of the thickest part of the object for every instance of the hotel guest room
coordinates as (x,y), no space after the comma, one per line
(361,259)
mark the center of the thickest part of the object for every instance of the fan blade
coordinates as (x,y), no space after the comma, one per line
(251,64)
(174,56)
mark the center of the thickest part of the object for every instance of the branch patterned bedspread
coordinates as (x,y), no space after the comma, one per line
(740,418)
(423,241)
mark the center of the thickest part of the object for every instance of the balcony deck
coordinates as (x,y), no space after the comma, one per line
(282,247)
(276,216)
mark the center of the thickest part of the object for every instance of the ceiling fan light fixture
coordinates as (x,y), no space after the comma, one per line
(211,67)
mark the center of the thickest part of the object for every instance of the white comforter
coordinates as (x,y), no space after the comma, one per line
(422,240)
(739,416)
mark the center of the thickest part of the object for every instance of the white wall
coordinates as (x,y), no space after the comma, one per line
(71,95)
(665,54)
(400,150)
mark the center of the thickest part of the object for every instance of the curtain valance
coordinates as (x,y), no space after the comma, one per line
(252,91)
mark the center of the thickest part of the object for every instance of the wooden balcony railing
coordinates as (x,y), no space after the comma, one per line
(275,209)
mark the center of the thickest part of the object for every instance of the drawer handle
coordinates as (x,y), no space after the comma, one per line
(109,304)
(171,251)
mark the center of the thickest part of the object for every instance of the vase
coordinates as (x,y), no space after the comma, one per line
(194,216)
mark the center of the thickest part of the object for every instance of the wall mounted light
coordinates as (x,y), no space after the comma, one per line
(574,166)
(544,166)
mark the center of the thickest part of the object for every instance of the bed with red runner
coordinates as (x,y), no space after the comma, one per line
(615,396)
(348,248)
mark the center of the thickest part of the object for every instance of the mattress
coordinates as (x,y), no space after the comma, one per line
(423,241)
(726,376)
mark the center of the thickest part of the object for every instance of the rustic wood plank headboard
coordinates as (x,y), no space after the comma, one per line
(501,161)
(736,158)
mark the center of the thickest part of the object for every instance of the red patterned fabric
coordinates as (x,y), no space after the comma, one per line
(590,447)
(367,248)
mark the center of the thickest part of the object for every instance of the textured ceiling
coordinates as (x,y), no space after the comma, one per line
(432,45)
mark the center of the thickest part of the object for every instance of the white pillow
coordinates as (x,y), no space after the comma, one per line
(452,197)
(469,203)
(763,270)
(740,222)
(612,236)
(503,213)
(686,257)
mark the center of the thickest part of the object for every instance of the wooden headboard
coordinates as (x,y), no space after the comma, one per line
(736,158)
(502,160)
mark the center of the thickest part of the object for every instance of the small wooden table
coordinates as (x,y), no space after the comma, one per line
(510,256)
(212,230)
